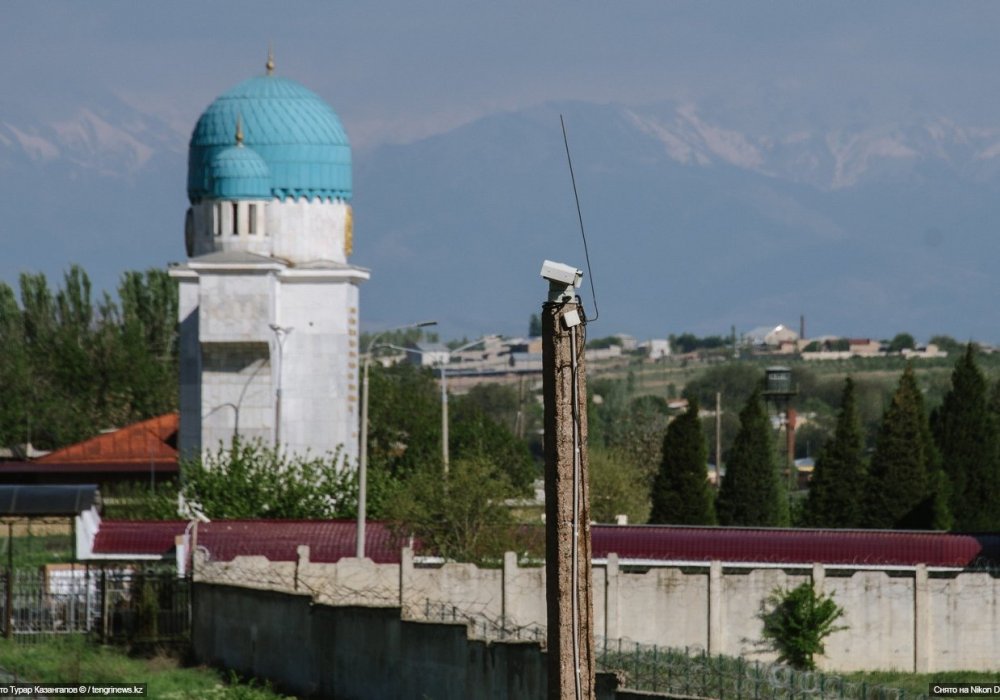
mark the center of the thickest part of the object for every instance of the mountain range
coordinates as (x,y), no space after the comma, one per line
(698,217)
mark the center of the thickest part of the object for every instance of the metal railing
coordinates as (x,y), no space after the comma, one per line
(119,605)
(689,671)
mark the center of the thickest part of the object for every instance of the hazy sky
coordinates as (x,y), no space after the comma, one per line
(399,69)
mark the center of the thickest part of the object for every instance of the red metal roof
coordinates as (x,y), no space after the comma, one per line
(137,537)
(328,540)
(790,546)
(27,468)
(146,442)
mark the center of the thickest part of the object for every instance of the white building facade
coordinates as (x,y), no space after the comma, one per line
(268,299)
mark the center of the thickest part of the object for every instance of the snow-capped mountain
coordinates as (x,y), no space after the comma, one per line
(698,216)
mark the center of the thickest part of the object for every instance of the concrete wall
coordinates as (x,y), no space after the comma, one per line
(905,620)
(360,652)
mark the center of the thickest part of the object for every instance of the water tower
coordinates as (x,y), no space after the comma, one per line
(779,391)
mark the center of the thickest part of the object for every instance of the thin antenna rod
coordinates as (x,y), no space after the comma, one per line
(579,215)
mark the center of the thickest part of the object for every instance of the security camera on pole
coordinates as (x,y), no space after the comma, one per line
(567,498)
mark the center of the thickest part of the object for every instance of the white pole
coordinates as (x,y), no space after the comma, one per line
(363,464)
(444,416)
(280,333)
(359,550)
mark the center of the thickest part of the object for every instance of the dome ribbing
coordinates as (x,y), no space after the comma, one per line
(295,134)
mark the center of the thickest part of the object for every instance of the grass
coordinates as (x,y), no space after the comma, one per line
(32,551)
(918,683)
(73,660)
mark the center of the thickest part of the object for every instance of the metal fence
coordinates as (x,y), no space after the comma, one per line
(694,672)
(480,625)
(689,671)
(118,605)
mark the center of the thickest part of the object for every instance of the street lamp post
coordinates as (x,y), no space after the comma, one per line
(280,333)
(444,401)
(363,447)
(445,460)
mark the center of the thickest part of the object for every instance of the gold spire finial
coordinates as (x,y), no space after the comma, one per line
(239,129)
(270,59)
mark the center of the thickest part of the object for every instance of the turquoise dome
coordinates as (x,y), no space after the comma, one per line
(297,135)
(238,172)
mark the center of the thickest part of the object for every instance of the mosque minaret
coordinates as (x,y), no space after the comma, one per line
(268,300)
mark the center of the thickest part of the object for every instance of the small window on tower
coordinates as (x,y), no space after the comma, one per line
(252,220)
(217,220)
(236,219)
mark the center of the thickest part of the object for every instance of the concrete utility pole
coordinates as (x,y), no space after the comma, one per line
(567,499)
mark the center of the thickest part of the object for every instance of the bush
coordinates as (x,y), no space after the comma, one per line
(796,622)
(253,480)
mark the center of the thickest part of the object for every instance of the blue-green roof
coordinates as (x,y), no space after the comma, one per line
(238,172)
(298,136)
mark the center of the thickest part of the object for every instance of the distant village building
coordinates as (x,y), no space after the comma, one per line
(268,299)
(628,343)
(656,349)
(865,347)
(770,336)
(927,352)
(597,354)
(427,354)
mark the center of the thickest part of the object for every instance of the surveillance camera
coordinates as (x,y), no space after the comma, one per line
(557,273)
(563,280)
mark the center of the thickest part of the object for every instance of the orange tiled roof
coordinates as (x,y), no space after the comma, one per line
(151,440)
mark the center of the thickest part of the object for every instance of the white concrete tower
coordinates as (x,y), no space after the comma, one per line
(268,300)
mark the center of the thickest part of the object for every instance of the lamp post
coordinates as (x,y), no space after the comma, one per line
(444,393)
(444,401)
(363,447)
(239,402)
(280,333)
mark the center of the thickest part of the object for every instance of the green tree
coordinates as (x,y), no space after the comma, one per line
(688,342)
(902,341)
(617,487)
(74,366)
(681,493)
(736,381)
(797,622)
(606,342)
(473,434)
(404,419)
(966,435)
(15,371)
(461,518)
(535,326)
(946,343)
(907,489)
(837,491)
(630,425)
(513,407)
(148,332)
(753,492)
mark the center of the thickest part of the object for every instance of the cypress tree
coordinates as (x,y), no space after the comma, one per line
(906,490)
(837,492)
(681,493)
(966,436)
(753,491)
